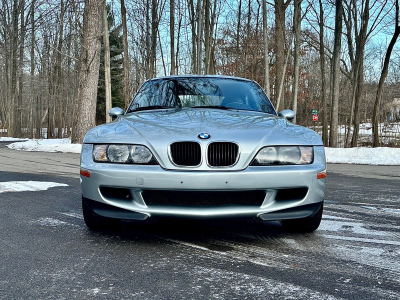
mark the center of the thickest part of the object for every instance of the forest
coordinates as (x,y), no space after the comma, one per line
(65,63)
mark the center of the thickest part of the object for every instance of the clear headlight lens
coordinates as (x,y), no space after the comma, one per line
(128,154)
(140,154)
(118,153)
(283,155)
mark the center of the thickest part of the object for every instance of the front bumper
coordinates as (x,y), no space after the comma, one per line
(139,178)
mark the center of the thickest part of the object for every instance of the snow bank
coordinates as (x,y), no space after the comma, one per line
(363,156)
(52,145)
(10,139)
(22,186)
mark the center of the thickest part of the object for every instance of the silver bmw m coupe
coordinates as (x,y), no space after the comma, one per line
(202,147)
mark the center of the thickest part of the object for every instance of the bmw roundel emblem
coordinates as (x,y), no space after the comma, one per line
(204,136)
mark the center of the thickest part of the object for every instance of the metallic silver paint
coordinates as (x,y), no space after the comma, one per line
(116,112)
(157,129)
(271,178)
(288,114)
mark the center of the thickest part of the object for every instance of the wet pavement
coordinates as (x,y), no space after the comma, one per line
(47,252)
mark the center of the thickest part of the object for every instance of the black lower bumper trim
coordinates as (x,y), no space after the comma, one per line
(297,212)
(110,211)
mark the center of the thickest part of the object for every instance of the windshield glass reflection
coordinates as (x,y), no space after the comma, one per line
(201,92)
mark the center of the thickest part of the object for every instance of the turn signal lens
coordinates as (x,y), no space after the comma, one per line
(85,173)
(321,175)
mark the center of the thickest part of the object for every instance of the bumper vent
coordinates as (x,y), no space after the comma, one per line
(222,154)
(203,198)
(186,154)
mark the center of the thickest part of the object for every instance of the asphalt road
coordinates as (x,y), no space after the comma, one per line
(48,253)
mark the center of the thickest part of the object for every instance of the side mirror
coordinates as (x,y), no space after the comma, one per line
(288,114)
(115,112)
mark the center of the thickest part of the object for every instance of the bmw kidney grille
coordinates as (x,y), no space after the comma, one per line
(186,154)
(219,154)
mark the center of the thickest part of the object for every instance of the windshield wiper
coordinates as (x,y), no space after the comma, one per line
(149,108)
(212,106)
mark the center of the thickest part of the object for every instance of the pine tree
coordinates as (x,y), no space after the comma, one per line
(117,71)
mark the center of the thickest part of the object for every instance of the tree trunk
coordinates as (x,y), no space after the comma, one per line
(19,119)
(127,87)
(247,40)
(199,35)
(85,117)
(280,8)
(34,99)
(153,38)
(107,65)
(194,37)
(60,102)
(297,33)
(333,138)
(325,136)
(266,52)
(211,42)
(375,118)
(172,34)
(238,39)
(361,40)
(207,36)
(14,124)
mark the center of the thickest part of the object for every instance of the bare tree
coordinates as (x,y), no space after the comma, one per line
(280,18)
(385,69)
(85,116)
(266,52)
(296,54)
(325,137)
(127,88)
(107,65)
(333,138)
(172,34)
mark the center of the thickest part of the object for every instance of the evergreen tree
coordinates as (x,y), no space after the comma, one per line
(117,71)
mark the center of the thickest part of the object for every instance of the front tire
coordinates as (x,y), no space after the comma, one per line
(96,222)
(308,224)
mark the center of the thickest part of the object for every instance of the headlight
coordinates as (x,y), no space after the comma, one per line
(283,155)
(125,154)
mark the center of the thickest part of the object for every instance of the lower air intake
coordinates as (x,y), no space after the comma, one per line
(203,198)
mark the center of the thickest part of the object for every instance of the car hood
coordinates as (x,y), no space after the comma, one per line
(159,128)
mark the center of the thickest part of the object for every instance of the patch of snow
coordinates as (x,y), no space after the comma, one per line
(11,139)
(353,227)
(363,156)
(362,240)
(93,292)
(73,215)
(51,145)
(50,222)
(27,186)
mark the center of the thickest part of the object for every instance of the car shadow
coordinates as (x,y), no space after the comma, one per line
(217,234)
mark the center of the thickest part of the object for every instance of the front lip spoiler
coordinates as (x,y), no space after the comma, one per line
(297,212)
(110,211)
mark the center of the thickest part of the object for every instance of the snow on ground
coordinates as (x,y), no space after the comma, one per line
(364,156)
(10,139)
(52,145)
(22,186)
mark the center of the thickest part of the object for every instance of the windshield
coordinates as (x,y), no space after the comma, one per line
(201,92)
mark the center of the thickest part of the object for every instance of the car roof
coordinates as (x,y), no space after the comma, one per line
(200,76)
